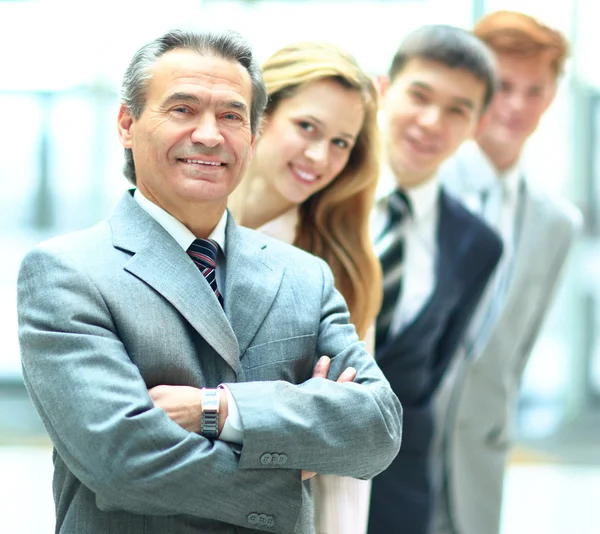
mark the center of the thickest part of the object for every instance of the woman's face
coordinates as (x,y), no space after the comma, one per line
(307,140)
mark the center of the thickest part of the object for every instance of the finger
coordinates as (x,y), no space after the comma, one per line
(348,375)
(307,474)
(322,367)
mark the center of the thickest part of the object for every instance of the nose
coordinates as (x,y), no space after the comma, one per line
(207,131)
(430,117)
(517,101)
(316,151)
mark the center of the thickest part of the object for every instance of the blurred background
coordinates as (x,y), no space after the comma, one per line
(60,170)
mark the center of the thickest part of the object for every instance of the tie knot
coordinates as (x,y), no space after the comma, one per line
(204,252)
(399,206)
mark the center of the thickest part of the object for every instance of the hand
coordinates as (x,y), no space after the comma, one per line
(321,370)
(306,475)
(183,404)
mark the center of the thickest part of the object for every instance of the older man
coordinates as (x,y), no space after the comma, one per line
(170,353)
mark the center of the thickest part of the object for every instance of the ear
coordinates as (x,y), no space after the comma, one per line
(125,123)
(252,146)
(382,82)
(480,126)
(261,129)
(551,96)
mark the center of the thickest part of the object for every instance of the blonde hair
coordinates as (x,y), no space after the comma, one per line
(334,222)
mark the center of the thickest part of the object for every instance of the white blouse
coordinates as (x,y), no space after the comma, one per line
(341,503)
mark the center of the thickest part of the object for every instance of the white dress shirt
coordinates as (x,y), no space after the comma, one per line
(496,197)
(420,246)
(233,430)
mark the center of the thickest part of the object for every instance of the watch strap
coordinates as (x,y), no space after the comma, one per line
(209,422)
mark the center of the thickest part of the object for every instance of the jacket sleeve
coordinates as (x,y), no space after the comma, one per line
(104,426)
(350,429)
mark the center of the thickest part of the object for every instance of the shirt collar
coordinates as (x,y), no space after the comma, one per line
(510,178)
(423,198)
(488,176)
(176,229)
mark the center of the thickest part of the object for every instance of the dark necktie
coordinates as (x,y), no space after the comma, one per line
(204,253)
(392,263)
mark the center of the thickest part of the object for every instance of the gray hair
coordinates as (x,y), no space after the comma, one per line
(227,45)
(454,47)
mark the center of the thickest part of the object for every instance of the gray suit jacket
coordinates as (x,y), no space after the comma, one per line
(477,401)
(109,312)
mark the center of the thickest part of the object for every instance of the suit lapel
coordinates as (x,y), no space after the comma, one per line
(524,269)
(160,262)
(526,236)
(449,236)
(252,281)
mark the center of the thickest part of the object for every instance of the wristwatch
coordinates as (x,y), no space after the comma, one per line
(209,422)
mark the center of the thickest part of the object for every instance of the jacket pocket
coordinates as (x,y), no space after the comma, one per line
(291,359)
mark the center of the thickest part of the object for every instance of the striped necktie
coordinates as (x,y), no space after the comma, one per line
(204,254)
(392,263)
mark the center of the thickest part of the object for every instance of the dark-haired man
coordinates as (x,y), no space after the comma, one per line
(436,256)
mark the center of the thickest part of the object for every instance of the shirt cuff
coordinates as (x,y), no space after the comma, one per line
(233,429)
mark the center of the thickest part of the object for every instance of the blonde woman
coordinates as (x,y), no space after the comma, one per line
(311,183)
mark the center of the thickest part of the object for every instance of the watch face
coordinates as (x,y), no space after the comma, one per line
(210,413)
(210,403)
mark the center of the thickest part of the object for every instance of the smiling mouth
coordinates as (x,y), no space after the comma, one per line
(513,126)
(202,162)
(423,148)
(304,176)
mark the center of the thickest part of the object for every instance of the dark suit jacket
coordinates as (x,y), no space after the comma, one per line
(415,360)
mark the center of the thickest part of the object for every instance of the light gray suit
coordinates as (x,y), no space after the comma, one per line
(109,312)
(476,403)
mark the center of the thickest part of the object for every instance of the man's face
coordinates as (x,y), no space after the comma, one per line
(192,142)
(527,88)
(430,109)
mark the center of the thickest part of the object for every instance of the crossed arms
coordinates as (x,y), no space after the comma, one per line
(106,429)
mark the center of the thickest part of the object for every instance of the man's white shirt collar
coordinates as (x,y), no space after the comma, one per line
(487,175)
(423,198)
(176,229)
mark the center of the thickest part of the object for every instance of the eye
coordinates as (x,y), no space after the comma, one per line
(418,96)
(306,126)
(535,91)
(458,111)
(232,117)
(341,143)
(505,87)
(181,109)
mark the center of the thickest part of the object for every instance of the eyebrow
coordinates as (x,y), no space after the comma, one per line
(466,102)
(236,104)
(320,123)
(181,97)
(192,99)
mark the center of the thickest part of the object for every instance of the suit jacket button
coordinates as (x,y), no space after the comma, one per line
(282,459)
(252,519)
(275,458)
(266,458)
(270,521)
(262,519)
